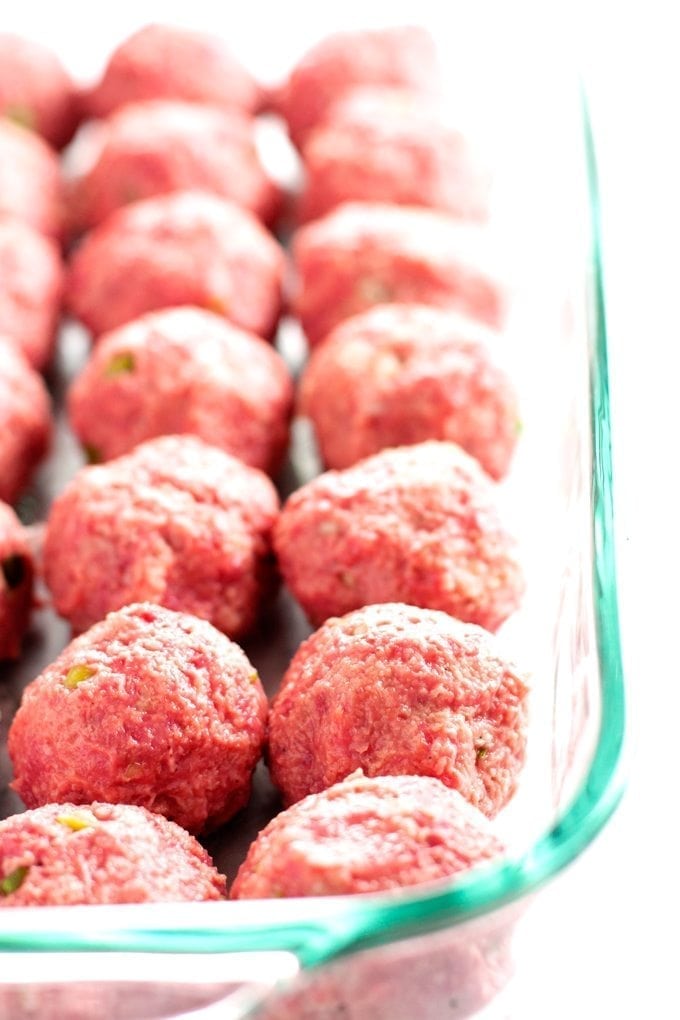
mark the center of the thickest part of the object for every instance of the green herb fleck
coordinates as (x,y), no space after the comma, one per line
(10,883)
(120,364)
(77,674)
(13,570)
(24,116)
(253,677)
(482,752)
(519,427)
(73,822)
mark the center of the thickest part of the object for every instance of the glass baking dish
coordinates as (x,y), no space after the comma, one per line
(442,950)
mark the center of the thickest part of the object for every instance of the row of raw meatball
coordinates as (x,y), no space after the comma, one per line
(157,709)
(159,147)
(361,107)
(182,523)
(394,374)
(198,249)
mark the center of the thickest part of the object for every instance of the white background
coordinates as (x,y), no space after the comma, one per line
(606,937)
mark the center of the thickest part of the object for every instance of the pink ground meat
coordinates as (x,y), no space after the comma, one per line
(184,370)
(149,707)
(403,56)
(16,583)
(159,146)
(397,690)
(416,524)
(30,180)
(366,835)
(184,248)
(25,421)
(389,149)
(176,522)
(400,374)
(363,254)
(35,90)
(64,854)
(169,62)
(31,283)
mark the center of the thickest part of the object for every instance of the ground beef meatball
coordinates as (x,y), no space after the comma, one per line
(159,146)
(188,247)
(25,421)
(402,56)
(31,283)
(169,62)
(397,690)
(366,835)
(63,855)
(149,707)
(363,254)
(176,522)
(35,90)
(400,374)
(184,370)
(397,152)
(30,180)
(16,583)
(416,524)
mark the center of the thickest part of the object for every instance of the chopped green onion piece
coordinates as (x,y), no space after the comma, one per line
(10,883)
(73,823)
(24,116)
(482,752)
(120,364)
(77,674)
(13,570)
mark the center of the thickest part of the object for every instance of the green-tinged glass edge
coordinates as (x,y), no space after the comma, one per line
(322,930)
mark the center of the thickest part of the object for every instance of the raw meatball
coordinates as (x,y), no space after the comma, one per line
(366,835)
(160,146)
(35,90)
(185,248)
(400,374)
(403,56)
(31,283)
(30,181)
(397,690)
(397,152)
(62,855)
(25,421)
(168,62)
(184,370)
(176,522)
(149,707)
(416,524)
(363,254)
(16,583)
